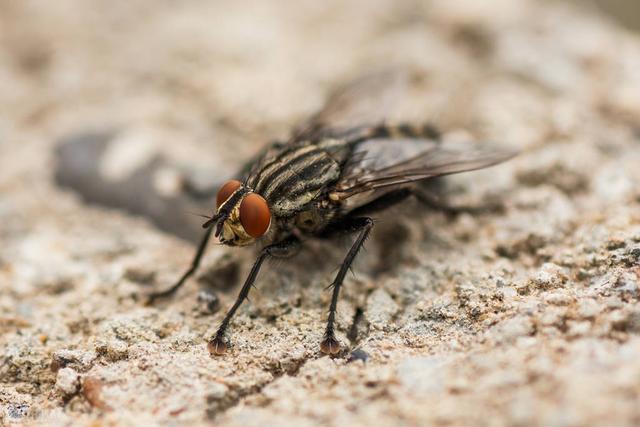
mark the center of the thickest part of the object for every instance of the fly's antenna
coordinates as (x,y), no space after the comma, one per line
(218,220)
(200,215)
(219,227)
(212,220)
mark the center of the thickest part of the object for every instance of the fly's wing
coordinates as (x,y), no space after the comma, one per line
(358,105)
(382,165)
(361,103)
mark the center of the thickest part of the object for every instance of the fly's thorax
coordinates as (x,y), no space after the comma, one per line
(296,177)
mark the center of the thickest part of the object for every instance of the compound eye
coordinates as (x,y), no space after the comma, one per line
(254,215)
(227,190)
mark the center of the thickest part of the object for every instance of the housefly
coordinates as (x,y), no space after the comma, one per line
(341,165)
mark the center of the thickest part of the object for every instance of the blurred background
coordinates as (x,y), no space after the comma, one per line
(189,90)
(625,11)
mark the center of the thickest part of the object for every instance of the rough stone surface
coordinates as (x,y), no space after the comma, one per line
(520,317)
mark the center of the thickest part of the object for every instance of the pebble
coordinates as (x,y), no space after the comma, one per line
(549,276)
(358,354)
(14,412)
(208,301)
(67,381)
(79,359)
(114,349)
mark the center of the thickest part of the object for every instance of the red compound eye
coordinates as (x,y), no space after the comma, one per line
(254,215)
(227,190)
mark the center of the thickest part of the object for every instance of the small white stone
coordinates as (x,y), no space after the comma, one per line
(67,381)
(508,292)
(549,276)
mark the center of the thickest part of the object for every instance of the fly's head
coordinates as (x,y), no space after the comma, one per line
(242,216)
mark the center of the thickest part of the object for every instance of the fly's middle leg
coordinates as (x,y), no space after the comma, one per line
(330,344)
(285,249)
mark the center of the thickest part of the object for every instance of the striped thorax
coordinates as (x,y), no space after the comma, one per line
(296,176)
(283,185)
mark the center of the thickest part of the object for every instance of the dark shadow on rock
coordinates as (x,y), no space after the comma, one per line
(78,160)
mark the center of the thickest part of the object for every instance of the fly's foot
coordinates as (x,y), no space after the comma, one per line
(218,346)
(330,345)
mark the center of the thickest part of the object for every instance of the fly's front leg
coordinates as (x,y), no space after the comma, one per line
(287,248)
(330,344)
(194,266)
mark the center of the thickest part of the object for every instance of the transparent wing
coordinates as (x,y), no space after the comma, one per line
(382,164)
(363,102)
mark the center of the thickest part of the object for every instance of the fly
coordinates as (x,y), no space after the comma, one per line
(326,180)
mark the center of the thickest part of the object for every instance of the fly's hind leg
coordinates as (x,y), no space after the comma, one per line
(285,249)
(363,226)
